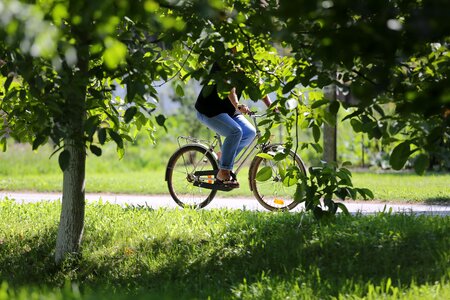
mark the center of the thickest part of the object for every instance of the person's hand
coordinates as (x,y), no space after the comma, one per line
(243,108)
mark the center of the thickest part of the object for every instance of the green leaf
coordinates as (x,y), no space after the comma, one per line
(8,82)
(421,163)
(316,133)
(179,90)
(3,144)
(265,156)
(356,124)
(341,193)
(289,86)
(334,107)
(254,92)
(39,140)
(379,109)
(319,103)
(265,137)
(264,122)
(90,125)
(160,119)
(101,135)
(219,48)
(129,114)
(96,150)
(317,147)
(120,152)
(64,160)
(299,195)
(342,207)
(264,174)
(117,138)
(290,179)
(344,176)
(280,155)
(115,53)
(368,192)
(346,164)
(354,114)
(400,155)
(375,132)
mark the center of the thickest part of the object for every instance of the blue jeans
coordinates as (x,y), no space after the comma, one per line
(238,133)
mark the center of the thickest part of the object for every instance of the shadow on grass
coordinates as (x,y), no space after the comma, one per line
(28,259)
(289,247)
(438,201)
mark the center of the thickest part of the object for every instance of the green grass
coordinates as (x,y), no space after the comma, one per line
(406,186)
(142,170)
(143,253)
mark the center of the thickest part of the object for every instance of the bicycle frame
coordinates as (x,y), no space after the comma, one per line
(242,158)
(202,166)
(249,150)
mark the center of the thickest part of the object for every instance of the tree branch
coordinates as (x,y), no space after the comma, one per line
(248,40)
(178,72)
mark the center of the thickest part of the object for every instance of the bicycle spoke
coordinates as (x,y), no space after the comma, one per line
(182,178)
(276,192)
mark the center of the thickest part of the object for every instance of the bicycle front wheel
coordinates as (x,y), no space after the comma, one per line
(274,182)
(181,177)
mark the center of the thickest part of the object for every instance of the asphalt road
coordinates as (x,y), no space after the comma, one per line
(165,201)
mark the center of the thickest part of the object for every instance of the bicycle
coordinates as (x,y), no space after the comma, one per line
(273,171)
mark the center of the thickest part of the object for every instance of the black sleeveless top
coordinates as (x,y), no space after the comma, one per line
(209,102)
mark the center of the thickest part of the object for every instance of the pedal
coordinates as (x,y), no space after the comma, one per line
(207,183)
(212,172)
(213,186)
(206,173)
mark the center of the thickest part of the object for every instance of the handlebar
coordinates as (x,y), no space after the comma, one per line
(254,114)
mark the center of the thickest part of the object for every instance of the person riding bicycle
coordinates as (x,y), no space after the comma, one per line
(225,116)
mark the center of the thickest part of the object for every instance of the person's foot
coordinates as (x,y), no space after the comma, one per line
(224,178)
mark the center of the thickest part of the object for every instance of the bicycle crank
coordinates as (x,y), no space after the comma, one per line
(208,182)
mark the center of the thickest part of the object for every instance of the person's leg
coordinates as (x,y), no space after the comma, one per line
(225,126)
(248,131)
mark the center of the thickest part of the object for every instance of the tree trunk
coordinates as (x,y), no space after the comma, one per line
(330,131)
(70,231)
(329,143)
(71,225)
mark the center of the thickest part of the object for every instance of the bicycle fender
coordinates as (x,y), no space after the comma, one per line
(174,155)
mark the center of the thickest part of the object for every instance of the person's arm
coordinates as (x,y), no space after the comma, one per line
(235,101)
(266,100)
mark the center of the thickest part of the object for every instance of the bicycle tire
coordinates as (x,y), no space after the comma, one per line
(179,176)
(274,192)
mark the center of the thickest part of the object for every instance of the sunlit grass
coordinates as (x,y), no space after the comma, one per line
(406,186)
(142,171)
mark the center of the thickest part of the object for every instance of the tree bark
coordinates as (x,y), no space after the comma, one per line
(71,226)
(329,143)
(330,132)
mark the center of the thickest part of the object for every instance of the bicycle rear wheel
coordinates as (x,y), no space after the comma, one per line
(181,178)
(273,182)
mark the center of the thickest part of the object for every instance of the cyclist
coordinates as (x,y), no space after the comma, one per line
(225,116)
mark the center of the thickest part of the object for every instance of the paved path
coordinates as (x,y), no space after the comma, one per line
(157,201)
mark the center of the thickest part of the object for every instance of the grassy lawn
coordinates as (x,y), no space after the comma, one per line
(142,171)
(395,187)
(137,253)
(430,188)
